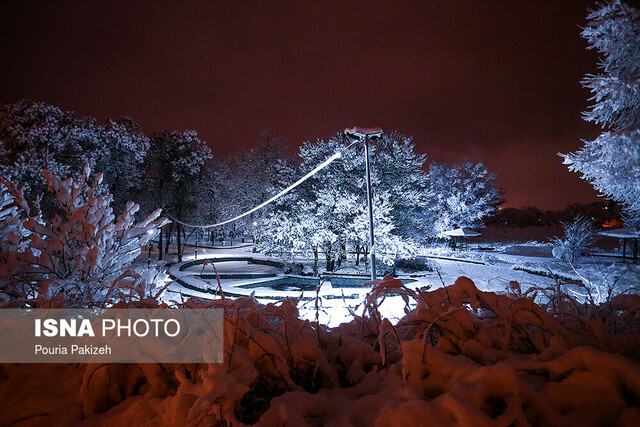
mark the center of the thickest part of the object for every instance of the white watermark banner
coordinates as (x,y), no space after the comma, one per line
(111,335)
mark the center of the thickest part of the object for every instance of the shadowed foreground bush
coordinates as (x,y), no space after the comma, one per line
(461,357)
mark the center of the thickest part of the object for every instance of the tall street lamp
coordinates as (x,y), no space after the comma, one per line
(366,134)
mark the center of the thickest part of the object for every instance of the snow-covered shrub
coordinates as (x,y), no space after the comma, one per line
(14,211)
(461,357)
(601,283)
(414,264)
(578,235)
(84,256)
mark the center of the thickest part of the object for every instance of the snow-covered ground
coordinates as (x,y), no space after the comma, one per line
(530,264)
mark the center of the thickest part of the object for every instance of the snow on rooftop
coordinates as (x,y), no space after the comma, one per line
(622,233)
(462,232)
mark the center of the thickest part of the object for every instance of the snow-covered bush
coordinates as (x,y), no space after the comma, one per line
(84,256)
(461,357)
(416,263)
(599,284)
(578,235)
(14,211)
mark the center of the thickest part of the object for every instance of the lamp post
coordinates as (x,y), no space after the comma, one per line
(366,134)
(196,255)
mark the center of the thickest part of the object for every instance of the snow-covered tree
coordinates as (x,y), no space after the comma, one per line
(35,136)
(398,171)
(328,213)
(177,176)
(460,195)
(248,179)
(578,235)
(122,151)
(84,256)
(611,162)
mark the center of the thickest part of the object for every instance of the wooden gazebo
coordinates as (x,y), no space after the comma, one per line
(459,237)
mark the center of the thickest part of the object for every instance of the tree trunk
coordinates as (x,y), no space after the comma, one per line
(179,242)
(357,255)
(343,255)
(160,243)
(315,261)
(168,235)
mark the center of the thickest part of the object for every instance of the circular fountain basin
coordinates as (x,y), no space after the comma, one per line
(244,275)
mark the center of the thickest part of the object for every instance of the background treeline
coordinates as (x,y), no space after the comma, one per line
(607,213)
(175,171)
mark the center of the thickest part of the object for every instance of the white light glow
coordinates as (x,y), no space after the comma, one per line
(318,168)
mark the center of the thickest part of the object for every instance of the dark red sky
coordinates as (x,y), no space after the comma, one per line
(494,80)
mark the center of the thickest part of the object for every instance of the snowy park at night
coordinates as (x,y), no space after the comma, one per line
(238,272)
(351,214)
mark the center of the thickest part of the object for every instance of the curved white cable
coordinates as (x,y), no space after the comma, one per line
(263,204)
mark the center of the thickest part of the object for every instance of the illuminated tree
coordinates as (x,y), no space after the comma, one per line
(328,213)
(83,256)
(460,195)
(611,161)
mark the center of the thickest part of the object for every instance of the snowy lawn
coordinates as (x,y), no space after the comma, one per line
(530,264)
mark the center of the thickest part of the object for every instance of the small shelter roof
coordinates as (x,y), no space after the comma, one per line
(462,232)
(622,233)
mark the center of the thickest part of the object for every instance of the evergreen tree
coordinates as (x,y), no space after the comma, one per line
(611,162)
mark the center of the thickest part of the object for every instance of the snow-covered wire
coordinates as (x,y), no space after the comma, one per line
(321,166)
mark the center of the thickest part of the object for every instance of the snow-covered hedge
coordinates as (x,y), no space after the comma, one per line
(462,356)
